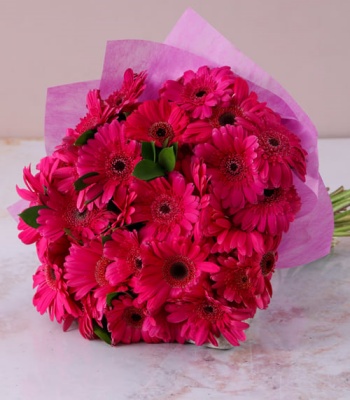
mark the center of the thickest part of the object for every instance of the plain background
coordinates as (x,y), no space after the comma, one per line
(304,44)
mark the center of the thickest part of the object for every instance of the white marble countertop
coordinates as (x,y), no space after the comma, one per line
(299,348)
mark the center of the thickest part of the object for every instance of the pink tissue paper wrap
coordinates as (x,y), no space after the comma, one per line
(191,44)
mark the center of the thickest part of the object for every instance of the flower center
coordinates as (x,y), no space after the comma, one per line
(161,131)
(226,118)
(267,263)
(165,209)
(133,316)
(119,167)
(201,93)
(100,271)
(50,277)
(74,219)
(178,271)
(274,142)
(271,195)
(209,311)
(233,168)
(241,280)
(138,263)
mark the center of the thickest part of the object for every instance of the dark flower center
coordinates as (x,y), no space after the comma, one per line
(164,209)
(161,132)
(208,309)
(138,263)
(133,316)
(118,165)
(241,280)
(233,167)
(226,118)
(136,317)
(178,270)
(267,263)
(201,93)
(269,192)
(274,142)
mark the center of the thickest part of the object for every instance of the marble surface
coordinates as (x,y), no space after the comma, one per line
(299,348)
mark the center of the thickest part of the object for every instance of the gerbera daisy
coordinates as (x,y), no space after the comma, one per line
(61,217)
(280,152)
(273,213)
(198,92)
(205,319)
(242,109)
(169,268)
(235,281)
(231,164)
(98,112)
(52,292)
(263,267)
(126,254)
(125,320)
(157,326)
(86,272)
(112,158)
(166,206)
(217,225)
(88,315)
(132,87)
(158,121)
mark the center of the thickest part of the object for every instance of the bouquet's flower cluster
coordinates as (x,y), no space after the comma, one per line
(160,220)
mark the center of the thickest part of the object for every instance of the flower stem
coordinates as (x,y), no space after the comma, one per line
(340,199)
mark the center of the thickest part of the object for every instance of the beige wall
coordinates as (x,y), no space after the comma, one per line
(304,44)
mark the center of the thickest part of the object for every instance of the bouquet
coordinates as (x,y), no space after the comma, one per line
(161,213)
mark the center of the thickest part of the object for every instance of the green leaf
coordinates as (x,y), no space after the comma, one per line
(167,158)
(147,170)
(106,238)
(84,137)
(103,334)
(30,215)
(176,148)
(149,151)
(79,184)
(112,296)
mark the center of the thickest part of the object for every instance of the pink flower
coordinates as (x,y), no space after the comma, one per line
(62,217)
(273,213)
(132,87)
(126,254)
(232,166)
(52,293)
(98,112)
(198,92)
(169,268)
(157,326)
(228,237)
(262,269)
(279,153)
(236,282)
(158,121)
(125,320)
(166,206)
(86,272)
(242,109)
(205,319)
(112,157)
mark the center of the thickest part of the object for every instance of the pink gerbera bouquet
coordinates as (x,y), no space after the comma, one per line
(162,213)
